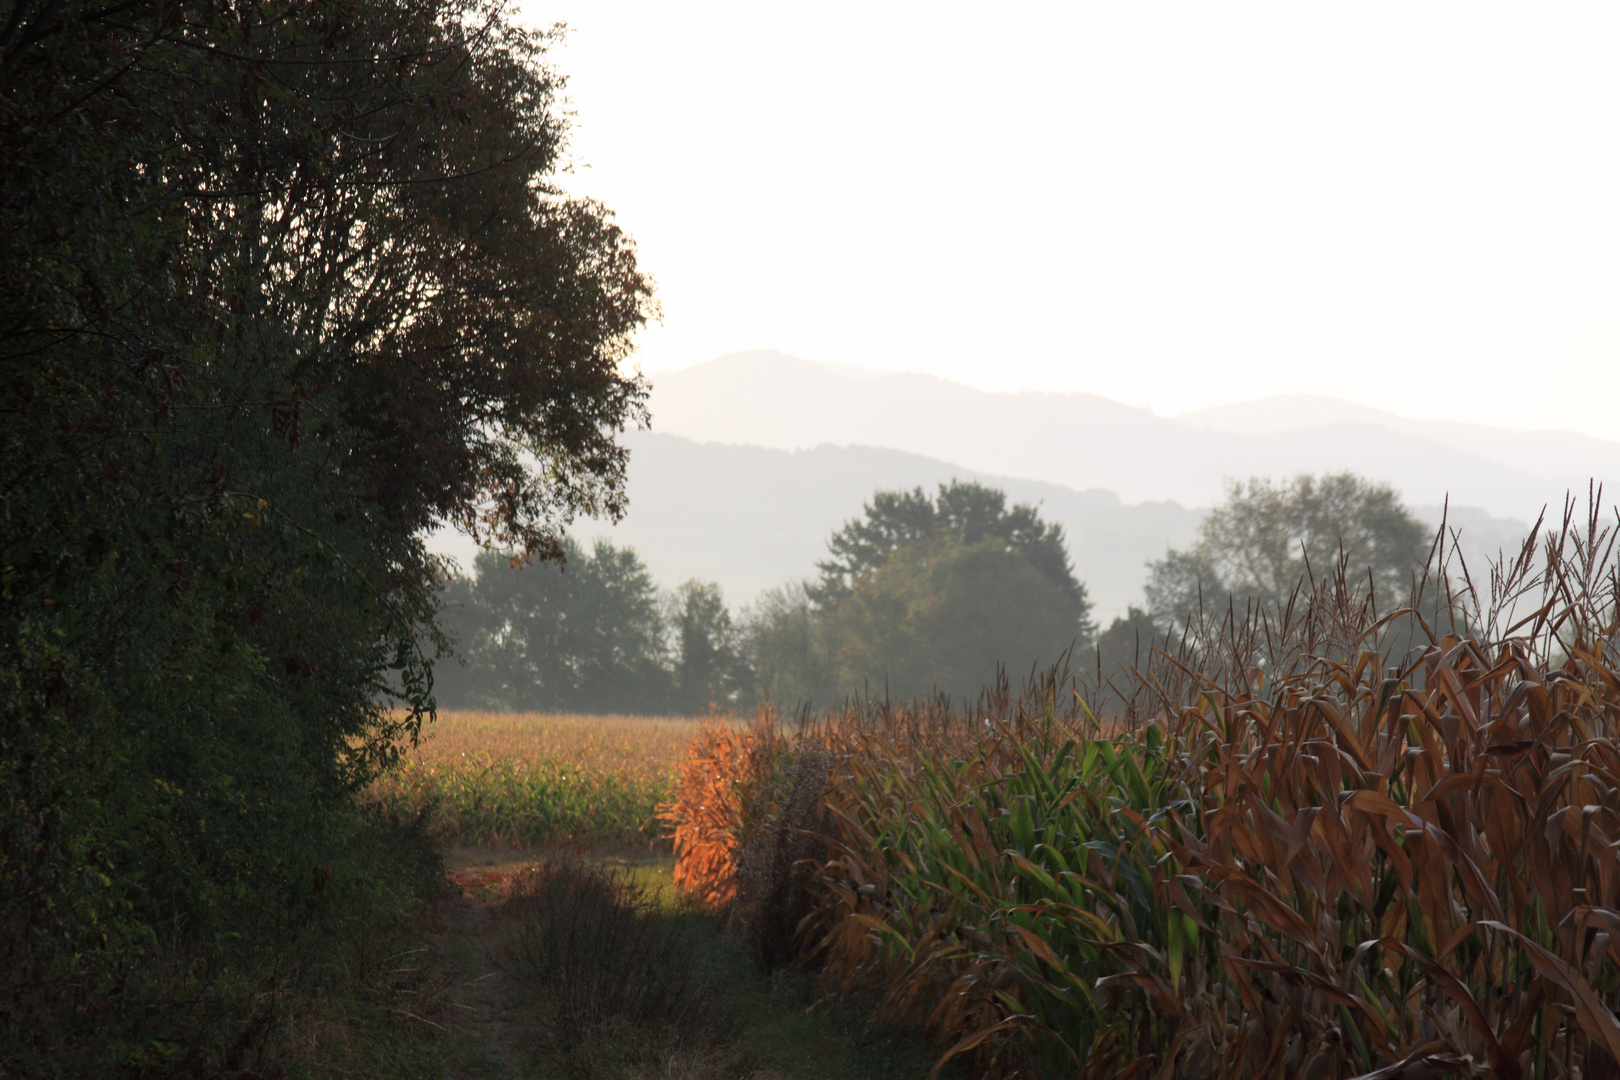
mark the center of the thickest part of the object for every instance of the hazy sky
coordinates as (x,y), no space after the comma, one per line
(1414,205)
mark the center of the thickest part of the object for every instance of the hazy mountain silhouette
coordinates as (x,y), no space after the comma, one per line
(1566,458)
(1085,442)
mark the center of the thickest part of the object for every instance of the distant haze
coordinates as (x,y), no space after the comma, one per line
(752,518)
(1106,254)
(1085,441)
(756,458)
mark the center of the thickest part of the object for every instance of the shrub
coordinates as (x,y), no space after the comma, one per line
(592,945)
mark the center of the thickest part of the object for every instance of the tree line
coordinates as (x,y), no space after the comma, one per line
(1258,547)
(921,594)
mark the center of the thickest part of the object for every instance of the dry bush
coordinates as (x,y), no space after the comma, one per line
(772,899)
(704,815)
(593,947)
(724,1061)
(743,815)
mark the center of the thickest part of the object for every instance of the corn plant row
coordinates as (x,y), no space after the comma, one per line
(490,801)
(1321,842)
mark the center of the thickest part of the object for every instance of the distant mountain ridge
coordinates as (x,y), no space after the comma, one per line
(1547,454)
(1084,441)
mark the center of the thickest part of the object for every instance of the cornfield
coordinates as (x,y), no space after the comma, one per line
(527,779)
(1316,841)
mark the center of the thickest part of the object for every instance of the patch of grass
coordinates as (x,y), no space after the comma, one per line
(531,779)
(633,745)
(795,1027)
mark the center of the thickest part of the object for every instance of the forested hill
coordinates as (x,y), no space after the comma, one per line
(1083,441)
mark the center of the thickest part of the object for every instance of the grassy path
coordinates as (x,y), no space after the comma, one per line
(760,1027)
(485,1006)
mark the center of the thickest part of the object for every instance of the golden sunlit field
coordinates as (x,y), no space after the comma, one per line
(634,745)
(527,779)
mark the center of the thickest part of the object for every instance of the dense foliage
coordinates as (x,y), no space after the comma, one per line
(587,636)
(279,289)
(964,514)
(943,617)
(594,634)
(710,671)
(921,594)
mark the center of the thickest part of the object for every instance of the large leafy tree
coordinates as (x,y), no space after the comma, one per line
(942,618)
(586,636)
(785,643)
(930,593)
(593,635)
(1266,537)
(963,513)
(280,288)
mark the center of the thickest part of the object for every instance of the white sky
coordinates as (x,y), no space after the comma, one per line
(1415,205)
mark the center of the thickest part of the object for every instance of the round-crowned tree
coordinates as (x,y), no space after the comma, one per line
(1266,537)
(927,594)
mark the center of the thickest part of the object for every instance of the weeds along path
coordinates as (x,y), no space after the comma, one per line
(570,954)
(588,967)
(487,1013)
(559,974)
(486,1025)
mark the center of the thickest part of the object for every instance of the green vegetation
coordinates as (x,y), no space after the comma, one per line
(533,779)
(964,514)
(490,800)
(591,635)
(709,669)
(620,979)
(922,595)
(284,287)
(942,618)
(586,636)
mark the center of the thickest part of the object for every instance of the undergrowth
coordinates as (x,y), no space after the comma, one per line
(622,981)
(335,983)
